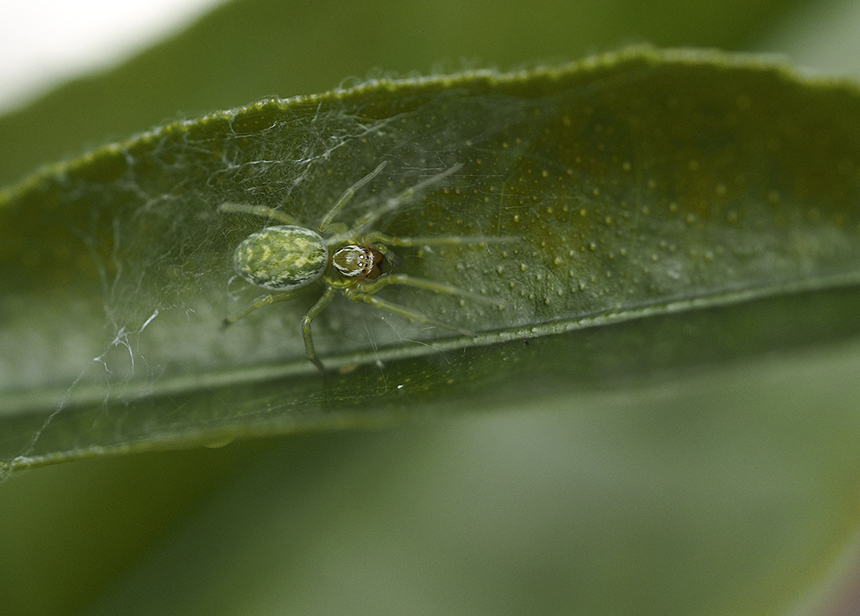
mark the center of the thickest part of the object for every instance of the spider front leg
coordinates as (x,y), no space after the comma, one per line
(356,295)
(396,202)
(348,194)
(371,287)
(366,290)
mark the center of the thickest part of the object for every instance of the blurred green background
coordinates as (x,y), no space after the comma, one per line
(728,492)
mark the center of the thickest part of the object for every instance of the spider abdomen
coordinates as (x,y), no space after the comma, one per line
(281,258)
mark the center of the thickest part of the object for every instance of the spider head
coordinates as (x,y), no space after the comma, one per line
(358,262)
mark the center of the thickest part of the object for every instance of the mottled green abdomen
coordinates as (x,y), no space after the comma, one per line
(281,258)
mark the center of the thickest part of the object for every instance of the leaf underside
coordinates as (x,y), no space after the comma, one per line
(673,209)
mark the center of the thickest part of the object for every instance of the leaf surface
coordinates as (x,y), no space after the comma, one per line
(673,209)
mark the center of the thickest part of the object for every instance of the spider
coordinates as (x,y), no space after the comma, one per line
(289,258)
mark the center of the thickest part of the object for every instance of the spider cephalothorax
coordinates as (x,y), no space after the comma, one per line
(361,262)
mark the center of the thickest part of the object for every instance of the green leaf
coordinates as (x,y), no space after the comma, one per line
(245,49)
(673,209)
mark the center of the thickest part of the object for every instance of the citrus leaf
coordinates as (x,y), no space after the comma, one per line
(235,54)
(669,208)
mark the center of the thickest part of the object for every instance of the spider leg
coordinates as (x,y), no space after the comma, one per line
(258,210)
(373,286)
(263,300)
(321,304)
(347,195)
(398,200)
(360,296)
(375,237)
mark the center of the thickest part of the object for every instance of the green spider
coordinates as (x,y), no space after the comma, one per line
(289,258)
